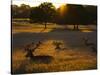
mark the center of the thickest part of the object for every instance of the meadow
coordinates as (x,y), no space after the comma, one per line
(74,54)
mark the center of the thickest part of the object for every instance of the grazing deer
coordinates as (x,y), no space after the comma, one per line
(90,44)
(58,45)
(38,44)
(39,58)
(87,43)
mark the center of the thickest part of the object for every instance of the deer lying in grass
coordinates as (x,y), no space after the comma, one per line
(58,45)
(90,44)
(39,58)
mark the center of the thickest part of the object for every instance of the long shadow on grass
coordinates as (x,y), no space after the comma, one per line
(71,38)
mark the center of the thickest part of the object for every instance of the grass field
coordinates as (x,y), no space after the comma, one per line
(74,55)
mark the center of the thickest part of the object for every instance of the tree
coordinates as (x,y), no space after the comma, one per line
(74,14)
(22,11)
(36,15)
(45,13)
(14,11)
(92,12)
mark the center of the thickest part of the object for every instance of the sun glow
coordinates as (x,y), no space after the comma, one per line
(62,9)
(58,5)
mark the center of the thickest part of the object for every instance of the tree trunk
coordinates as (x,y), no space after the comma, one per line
(45,25)
(77,27)
(74,27)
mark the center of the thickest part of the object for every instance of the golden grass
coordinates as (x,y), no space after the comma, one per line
(67,64)
(66,60)
(69,59)
(37,28)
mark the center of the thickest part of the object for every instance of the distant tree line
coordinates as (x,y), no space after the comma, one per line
(66,14)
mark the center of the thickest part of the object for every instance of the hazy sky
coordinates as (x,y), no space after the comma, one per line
(56,3)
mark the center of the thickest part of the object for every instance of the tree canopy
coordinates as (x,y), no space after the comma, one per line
(44,13)
(22,11)
(66,14)
(74,14)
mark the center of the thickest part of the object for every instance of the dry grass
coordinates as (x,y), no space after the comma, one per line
(69,59)
(65,63)
(66,60)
